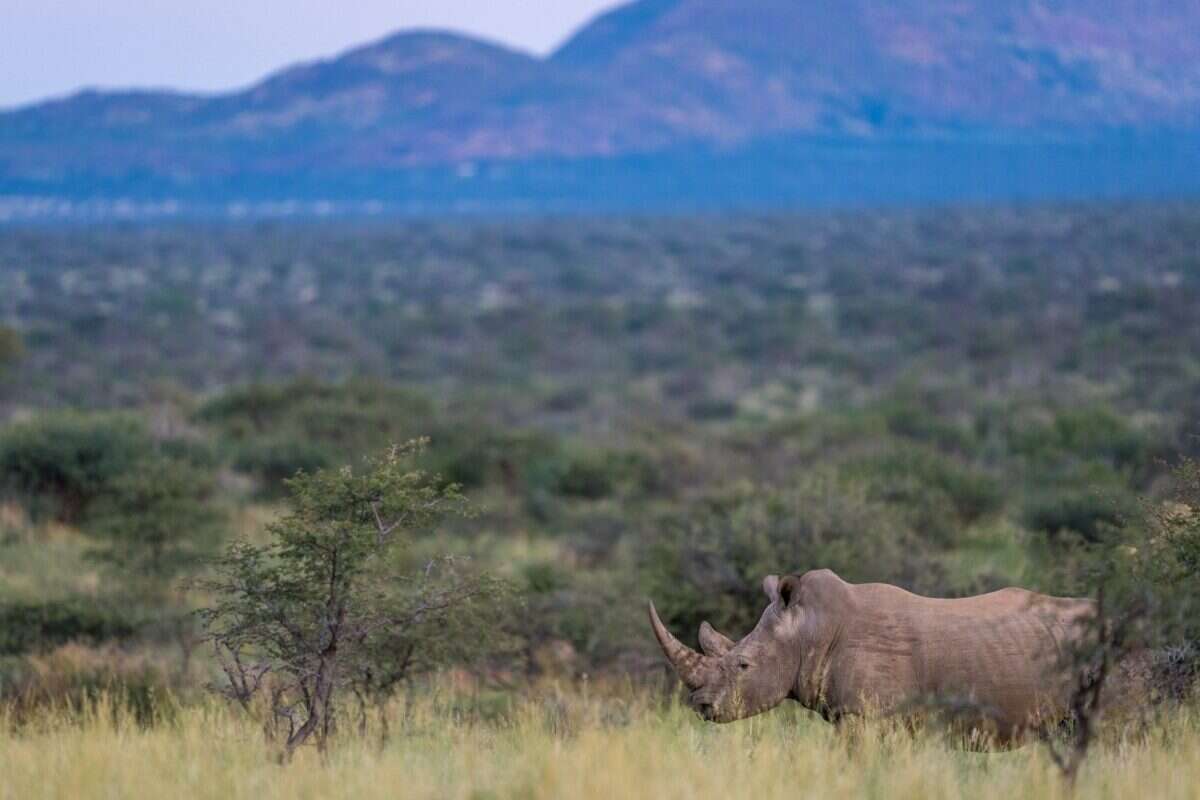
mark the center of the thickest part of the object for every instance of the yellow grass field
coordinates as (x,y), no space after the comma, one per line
(561,746)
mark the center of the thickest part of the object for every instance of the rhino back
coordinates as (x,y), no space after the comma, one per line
(996,652)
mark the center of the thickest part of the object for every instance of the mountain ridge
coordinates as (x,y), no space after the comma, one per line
(647,79)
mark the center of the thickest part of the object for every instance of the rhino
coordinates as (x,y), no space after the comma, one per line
(844,650)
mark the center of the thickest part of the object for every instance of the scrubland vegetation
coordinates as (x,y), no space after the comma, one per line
(952,401)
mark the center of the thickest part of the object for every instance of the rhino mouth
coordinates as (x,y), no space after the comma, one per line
(703,707)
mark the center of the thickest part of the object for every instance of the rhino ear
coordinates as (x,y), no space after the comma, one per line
(771,588)
(789,590)
(713,642)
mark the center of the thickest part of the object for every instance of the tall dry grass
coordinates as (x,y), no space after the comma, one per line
(557,745)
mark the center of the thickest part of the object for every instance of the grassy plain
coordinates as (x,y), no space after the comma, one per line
(555,745)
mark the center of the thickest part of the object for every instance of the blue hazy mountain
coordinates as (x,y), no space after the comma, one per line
(669,104)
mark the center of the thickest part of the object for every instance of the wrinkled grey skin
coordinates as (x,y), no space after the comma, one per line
(847,649)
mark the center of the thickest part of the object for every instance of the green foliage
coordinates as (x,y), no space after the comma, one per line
(906,417)
(32,627)
(940,495)
(159,519)
(588,474)
(62,462)
(330,603)
(1167,556)
(586,478)
(957,400)
(279,429)
(1090,512)
(544,577)
(274,461)
(708,563)
(1094,434)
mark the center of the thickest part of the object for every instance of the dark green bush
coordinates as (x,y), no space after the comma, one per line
(588,478)
(708,562)
(908,418)
(544,577)
(1092,434)
(274,461)
(157,521)
(61,462)
(941,494)
(1089,512)
(306,424)
(350,417)
(36,627)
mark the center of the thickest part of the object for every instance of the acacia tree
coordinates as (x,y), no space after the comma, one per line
(329,603)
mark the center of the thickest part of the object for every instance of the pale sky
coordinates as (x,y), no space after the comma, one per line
(53,47)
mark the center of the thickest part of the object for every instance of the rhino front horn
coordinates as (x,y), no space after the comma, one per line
(688,664)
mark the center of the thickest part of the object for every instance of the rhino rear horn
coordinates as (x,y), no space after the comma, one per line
(713,642)
(689,665)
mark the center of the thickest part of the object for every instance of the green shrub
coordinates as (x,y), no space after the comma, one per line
(351,416)
(305,424)
(908,418)
(274,461)
(61,463)
(1089,512)
(544,577)
(708,562)
(588,478)
(940,494)
(158,520)
(1093,434)
(329,605)
(38,627)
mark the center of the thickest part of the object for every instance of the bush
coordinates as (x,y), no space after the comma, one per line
(1089,512)
(37,627)
(279,429)
(1168,558)
(910,419)
(62,462)
(588,478)
(328,605)
(595,475)
(158,520)
(939,495)
(708,563)
(272,462)
(1094,434)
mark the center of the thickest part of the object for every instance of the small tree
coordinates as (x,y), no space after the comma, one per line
(328,604)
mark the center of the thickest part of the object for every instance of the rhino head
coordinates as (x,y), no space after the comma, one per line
(732,680)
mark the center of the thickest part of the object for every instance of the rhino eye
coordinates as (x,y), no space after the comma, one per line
(743,665)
